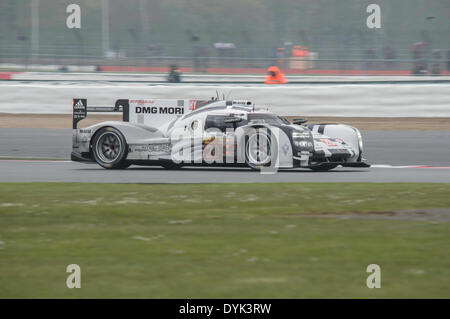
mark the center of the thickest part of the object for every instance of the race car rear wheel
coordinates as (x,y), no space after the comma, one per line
(110,148)
(258,150)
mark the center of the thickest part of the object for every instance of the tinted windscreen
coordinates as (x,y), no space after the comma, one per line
(267,118)
(217,121)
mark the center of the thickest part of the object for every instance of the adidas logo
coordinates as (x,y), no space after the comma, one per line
(79,105)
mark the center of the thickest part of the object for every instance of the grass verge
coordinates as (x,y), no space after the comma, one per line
(221,240)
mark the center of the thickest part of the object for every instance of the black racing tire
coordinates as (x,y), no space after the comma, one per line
(264,139)
(171,165)
(110,149)
(324,168)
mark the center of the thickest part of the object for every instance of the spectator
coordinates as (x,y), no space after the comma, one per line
(371,56)
(436,66)
(280,56)
(389,56)
(274,76)
(448,60)
(197,53)
(419,56)
(174,75)
(299,59)
(225,52)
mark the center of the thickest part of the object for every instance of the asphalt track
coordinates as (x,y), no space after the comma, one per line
(395,155)
(380,147)
(65,171)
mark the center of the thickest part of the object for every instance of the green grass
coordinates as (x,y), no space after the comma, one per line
(220,240)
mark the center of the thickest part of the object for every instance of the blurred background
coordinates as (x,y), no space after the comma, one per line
(300,36)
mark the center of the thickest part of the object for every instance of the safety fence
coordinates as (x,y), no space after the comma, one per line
(240,65)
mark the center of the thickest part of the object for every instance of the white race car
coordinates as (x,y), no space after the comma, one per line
(176,133)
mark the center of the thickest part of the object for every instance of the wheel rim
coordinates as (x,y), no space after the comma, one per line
(258,149)
(109,147)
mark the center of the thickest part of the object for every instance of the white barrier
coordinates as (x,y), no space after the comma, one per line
(401,100)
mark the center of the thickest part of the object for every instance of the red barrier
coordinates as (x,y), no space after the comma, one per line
(260,71)
(7,75)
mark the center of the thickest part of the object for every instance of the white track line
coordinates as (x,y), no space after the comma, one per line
(34,160)
(408,166)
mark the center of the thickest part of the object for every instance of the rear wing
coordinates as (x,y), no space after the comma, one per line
(152,112)
(80,109)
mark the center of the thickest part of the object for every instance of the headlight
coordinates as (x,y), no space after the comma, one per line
(360,142)
(300,135)
(303,140)
(304,144)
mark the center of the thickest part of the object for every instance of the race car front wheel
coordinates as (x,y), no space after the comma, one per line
(110,148)
(258,149)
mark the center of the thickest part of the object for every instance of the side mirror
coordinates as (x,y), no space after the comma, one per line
(232,119)
(299,121)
